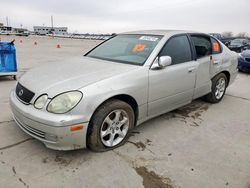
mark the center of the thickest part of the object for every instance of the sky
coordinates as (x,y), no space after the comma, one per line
(114,16)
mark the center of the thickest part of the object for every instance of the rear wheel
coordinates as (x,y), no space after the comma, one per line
(110,125)
(219,85)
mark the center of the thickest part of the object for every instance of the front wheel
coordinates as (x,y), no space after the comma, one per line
(110,125)
(219,85)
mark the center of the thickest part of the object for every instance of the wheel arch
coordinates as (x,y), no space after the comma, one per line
(131,101)
(123,97)
(227,73)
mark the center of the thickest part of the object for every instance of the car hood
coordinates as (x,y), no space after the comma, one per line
(72,74)
(234,46)
(246,53)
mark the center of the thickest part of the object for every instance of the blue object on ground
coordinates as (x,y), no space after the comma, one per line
(7,58)
(244,61)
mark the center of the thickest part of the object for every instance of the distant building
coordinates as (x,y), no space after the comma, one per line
(5,29)
(13,31)
(42,30)
(20,31)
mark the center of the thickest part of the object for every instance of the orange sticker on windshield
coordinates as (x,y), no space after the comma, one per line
(216,47)
(139,48)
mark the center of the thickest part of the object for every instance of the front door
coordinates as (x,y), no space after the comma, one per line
(172,86)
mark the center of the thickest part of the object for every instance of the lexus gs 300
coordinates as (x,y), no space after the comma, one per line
(94,101)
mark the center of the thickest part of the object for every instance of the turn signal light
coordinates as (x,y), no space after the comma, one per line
(76,128)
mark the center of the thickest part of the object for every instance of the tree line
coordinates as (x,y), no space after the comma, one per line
(229,34)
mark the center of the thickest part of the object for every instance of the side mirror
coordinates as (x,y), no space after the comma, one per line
(161,62)
(164,61)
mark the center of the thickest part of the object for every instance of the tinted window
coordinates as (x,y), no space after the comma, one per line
(245,42)
(178,48)
(202,45)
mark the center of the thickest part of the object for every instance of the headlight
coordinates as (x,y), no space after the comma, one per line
(64,102)
(41,101)
(241,58)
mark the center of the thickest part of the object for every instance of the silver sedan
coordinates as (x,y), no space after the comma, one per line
(95,101)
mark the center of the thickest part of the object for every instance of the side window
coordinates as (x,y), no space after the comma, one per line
(178,48)
(245,42)
(202,45)
(216,46)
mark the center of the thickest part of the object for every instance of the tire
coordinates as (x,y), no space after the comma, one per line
(215,97)
(104,126)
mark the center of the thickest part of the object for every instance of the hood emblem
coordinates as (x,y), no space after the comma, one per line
(20,93)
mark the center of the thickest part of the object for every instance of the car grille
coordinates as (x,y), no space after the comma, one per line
(24,94)
(31,130)
(247,59)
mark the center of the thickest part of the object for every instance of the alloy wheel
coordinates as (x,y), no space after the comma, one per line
(114,128)
(220,88)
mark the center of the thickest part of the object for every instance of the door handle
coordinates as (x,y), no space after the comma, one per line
(216,62)
(190,70)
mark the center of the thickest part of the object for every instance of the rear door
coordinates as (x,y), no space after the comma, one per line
(172,86)
(203,50)
(208,55)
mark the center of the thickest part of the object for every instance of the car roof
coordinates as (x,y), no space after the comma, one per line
(238,39)
(160,32)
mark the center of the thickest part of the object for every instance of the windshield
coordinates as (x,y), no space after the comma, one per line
(236,42)
(131,49)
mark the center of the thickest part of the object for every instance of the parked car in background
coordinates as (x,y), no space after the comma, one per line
(96,100)
(226,41)
(239,45)
(244,61)
(216,35)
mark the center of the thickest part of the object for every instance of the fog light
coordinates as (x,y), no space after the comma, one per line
(50,137)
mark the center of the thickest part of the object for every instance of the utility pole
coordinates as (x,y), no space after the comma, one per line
(52,25)
(52,22)
(7,21)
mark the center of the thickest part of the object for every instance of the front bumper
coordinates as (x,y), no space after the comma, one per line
(52,129)
(242,65)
